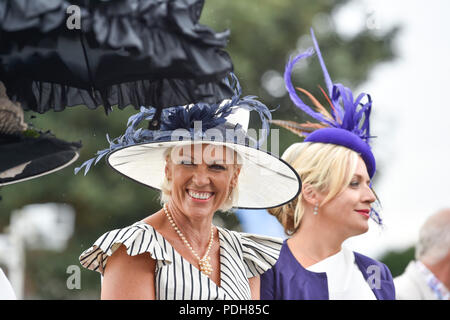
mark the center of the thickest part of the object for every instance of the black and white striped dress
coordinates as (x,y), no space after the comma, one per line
(242,256)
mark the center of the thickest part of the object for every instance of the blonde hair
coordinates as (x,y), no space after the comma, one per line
(166,188)
(327,168)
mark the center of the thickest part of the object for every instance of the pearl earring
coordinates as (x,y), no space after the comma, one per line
(316,208)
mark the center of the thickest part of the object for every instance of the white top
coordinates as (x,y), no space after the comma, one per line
(419,283)
(345,280)
(6,290)
(242,256)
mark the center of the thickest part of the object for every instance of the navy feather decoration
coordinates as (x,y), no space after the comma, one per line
(184,117)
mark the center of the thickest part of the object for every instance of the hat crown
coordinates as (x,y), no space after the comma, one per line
(348,122)
(238,117)
(195,122)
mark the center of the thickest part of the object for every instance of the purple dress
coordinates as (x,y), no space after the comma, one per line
(289,280)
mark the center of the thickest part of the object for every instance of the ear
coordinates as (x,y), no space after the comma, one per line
(310,194)
(234,178)
(168,170)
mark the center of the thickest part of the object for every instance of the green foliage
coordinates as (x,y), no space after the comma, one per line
(263,35)
(397,261)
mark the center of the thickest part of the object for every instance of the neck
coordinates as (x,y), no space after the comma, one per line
(197,230)
(315,240)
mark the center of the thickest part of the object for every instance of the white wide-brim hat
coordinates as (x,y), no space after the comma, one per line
(265,180)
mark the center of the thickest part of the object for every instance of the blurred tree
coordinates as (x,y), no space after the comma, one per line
(397,261)
(263,35)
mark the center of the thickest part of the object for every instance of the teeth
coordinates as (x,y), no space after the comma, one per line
(199,195)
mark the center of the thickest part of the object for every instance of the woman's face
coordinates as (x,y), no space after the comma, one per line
(349,210)
(202,177)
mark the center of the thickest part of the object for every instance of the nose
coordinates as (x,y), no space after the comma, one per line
(369,196)
(200,176)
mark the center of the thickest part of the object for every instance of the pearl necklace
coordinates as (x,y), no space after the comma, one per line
(204,263)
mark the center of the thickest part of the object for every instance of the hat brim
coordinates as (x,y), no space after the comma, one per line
(65,159)
(265,181)
(31,158)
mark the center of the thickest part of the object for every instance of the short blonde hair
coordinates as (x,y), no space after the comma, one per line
(327,168)
(166,188)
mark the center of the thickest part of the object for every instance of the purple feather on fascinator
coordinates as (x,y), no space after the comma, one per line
(347,124)
(346,112)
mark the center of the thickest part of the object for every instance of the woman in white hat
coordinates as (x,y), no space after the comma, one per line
(202,161)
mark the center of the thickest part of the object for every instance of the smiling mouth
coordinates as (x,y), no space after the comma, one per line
(365,213)
(200,195)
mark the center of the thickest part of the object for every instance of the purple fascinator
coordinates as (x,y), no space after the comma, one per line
(348,122)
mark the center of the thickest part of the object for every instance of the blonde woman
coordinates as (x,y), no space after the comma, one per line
(336,166)
(177,253)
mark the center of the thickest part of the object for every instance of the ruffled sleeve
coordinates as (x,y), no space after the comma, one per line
(138,238)
(260,253)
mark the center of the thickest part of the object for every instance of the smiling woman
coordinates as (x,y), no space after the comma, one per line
(336,165)
(177,252)
(335,205)
(218,159)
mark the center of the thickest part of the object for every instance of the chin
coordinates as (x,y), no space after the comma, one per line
(200,209)
(363,228)
(359,229)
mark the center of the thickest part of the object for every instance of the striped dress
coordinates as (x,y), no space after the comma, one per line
(242,256)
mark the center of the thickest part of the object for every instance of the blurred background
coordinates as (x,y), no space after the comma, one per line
(396,51)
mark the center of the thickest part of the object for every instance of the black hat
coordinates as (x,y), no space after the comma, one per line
(26,153)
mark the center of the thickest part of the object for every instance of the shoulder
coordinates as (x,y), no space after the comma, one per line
(371,266)
(378,276)
(136,239)
(252,243)
(411,285)
(259,252)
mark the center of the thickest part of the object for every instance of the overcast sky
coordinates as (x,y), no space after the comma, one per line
(411,117)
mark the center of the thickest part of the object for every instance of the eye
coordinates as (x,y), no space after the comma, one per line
(218,167)
(354,184)
(186,162)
